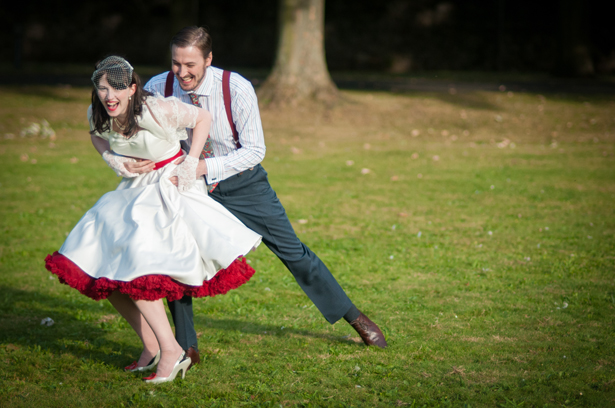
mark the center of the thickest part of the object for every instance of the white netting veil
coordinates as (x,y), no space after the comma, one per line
(118,71)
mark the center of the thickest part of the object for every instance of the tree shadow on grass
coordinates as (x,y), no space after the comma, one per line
(461,94)
(76,330)
(468,100)
(270,330)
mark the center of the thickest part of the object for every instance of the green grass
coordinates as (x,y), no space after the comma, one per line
(489,267)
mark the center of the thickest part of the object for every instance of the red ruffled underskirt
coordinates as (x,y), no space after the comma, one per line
(150,287)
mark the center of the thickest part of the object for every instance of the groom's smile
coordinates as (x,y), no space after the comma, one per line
(189,66)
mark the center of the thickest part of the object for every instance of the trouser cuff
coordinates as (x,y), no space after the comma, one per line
(352,314)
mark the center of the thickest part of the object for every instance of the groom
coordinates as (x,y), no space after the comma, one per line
(241,183)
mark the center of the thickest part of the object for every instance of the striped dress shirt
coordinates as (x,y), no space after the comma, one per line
(228,160)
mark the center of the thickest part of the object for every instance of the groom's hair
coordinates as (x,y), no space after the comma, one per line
(193,36)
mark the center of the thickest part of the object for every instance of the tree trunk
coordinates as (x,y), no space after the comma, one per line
(300,72)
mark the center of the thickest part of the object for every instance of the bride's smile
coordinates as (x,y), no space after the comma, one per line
(115,101)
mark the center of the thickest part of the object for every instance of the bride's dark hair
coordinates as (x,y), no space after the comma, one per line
(100,117)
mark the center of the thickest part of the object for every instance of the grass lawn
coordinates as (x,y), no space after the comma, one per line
(477,229)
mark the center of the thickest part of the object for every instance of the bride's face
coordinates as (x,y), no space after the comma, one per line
(115,101)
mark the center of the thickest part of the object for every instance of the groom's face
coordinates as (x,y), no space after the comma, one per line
(189,66)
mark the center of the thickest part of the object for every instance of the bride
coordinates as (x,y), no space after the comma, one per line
(149,239)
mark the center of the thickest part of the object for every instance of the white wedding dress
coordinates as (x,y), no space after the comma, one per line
(149,233)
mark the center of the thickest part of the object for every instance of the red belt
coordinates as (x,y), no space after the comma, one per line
(163,163)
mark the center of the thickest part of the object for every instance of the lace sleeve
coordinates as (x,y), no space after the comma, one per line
(173,116)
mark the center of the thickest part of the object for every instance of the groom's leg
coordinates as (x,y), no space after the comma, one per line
(181,311)
(251,199)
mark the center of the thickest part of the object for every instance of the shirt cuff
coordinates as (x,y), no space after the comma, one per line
(215,170)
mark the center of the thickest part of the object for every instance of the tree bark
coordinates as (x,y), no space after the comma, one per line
(300,71)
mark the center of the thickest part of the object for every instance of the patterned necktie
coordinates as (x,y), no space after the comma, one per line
(208,149)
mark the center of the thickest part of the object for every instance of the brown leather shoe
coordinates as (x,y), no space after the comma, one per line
(369,331)
(194,356)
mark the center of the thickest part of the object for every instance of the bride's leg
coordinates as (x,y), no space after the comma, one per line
(156,317)
(129,311)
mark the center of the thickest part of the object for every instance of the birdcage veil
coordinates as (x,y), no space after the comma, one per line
(118,71)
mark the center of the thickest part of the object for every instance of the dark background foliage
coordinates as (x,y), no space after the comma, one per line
(396,36)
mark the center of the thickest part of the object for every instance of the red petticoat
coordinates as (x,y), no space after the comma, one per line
(150,287)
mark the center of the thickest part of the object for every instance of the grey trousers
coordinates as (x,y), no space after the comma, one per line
(250,198)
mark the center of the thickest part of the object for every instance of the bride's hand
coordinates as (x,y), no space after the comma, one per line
(174,179)
(201,170)
(186,173)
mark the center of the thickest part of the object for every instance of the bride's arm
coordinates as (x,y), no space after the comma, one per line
(172,114)
(104,149)
(117,163)
(100,144)
(200,133)
(187,170)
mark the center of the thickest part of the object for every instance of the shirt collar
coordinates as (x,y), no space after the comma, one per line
(206,86)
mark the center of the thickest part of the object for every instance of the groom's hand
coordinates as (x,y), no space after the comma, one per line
(201,169)
(143,166)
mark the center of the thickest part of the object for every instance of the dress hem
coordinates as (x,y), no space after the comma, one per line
(149,287)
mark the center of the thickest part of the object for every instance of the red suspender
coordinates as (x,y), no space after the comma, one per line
(226,92)
(168,87)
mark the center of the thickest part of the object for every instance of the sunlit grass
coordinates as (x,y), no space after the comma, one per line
(475,228)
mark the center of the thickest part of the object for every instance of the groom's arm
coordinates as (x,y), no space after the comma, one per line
(246,116)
